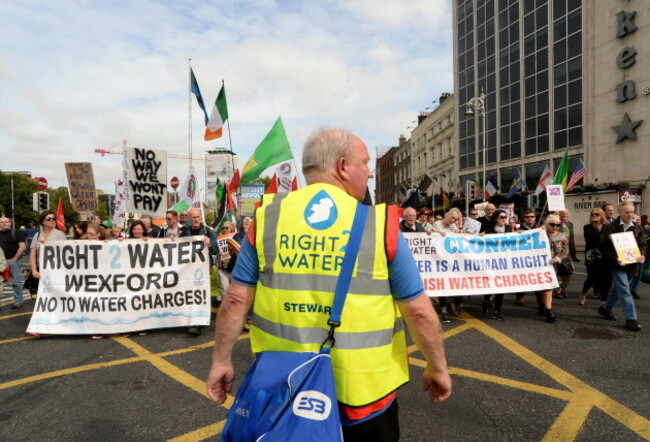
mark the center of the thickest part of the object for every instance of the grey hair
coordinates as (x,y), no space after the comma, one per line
(625,203)
(324,148)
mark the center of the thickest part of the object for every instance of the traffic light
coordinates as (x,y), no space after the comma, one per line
(471,191)
(43,201)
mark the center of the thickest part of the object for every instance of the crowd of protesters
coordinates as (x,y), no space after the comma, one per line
(15,244)
(606,278)
(610,281)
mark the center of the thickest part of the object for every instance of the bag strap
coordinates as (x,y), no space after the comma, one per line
(347,267)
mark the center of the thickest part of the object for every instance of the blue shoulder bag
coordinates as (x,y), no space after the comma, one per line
(290,396)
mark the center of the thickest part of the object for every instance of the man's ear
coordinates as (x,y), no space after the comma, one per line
(341,168)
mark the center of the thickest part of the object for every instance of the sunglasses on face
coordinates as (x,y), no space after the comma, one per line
(50,218)
(554,225)
(529,216)
(595,214)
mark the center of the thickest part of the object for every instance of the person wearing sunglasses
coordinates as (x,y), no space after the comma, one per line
(529,222)
(449,224)
(170,230)
(559,253)
(47,232)
(597,277)
(498,223)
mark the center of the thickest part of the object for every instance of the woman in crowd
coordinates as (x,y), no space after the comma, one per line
(79,230)
(95,232)
(559,253)
(498,223)
(137,230)
(596,274)
(449,224)
(224,266)
(47,232)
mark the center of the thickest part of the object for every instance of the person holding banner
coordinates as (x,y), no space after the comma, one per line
(449,224)
(559,253)
(198,228)
(498,223)
(48,232)
(485,219)
(137,231)
(409,222)
(529,223)
(171,228)
(622,273)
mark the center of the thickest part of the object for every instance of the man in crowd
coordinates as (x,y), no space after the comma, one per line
(149,229)
(409,222)
(622,273)
(335,165)
(610,212)
(184,219)
(529,223)
(473,213)
(530,220)
(13,245)
(485,219)
(198,227)
(171,229)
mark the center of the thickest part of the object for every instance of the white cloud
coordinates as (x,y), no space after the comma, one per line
(75,76)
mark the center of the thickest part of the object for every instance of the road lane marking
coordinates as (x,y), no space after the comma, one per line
(587,395)
(507,382)
(201,433)
(568,424)
(15,315)
(24,338)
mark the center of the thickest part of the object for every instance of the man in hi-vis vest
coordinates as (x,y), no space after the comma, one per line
(287,271)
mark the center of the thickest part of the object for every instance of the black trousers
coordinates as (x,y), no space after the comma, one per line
(383,428)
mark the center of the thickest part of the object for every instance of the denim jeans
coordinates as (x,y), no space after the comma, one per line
(620,291)
(16,281)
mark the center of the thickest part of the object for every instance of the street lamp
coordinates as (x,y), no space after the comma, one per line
(477,104)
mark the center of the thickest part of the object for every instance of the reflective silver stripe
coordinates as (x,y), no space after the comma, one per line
(316,335)
(323,283)
(366,260)
(271,219)
(362,283)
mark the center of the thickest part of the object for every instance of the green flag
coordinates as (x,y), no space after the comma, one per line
(273,149)
(562,172)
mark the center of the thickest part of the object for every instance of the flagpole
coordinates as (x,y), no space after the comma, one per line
(232,156)
(295,167)
(189,111)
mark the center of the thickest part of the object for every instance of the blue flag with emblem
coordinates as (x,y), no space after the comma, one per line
(517,184)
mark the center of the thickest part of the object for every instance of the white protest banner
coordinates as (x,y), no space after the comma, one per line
(96,287)
(471,226)
(146,181)
(459,264)
(626,247)
(555,197)
(285,175)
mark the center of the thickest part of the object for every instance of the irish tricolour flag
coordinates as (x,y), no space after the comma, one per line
(218,117)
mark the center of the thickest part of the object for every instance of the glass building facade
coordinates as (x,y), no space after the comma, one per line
(526,56)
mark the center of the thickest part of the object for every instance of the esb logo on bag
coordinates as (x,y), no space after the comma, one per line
(313,405)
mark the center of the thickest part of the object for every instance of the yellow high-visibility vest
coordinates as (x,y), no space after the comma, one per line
(300,239)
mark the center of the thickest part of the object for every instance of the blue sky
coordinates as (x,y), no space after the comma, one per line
(80,75)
